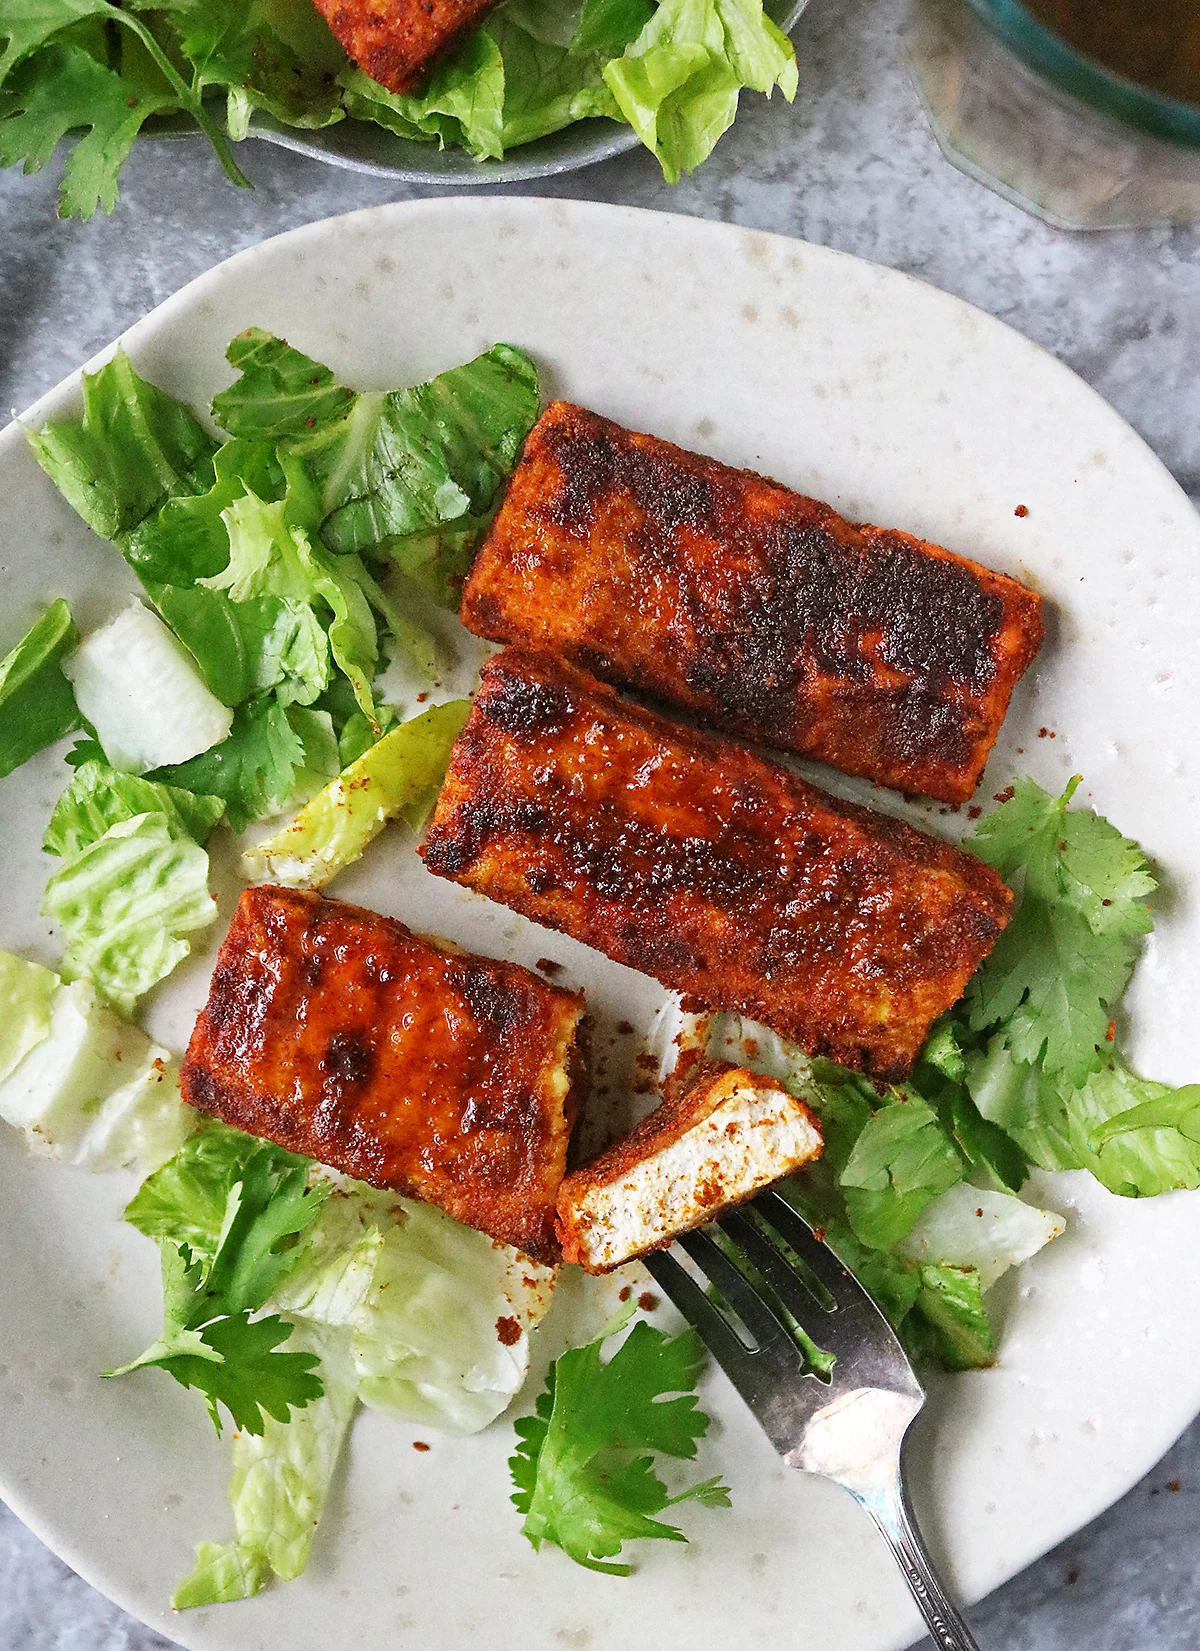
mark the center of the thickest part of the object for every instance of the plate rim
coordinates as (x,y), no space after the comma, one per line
(59,396)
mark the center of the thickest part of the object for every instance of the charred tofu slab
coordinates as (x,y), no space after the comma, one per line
(396,41)
(698,862)
(720,1135)
(752,607)
(339,1034)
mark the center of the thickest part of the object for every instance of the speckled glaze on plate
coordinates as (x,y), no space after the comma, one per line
(899,405)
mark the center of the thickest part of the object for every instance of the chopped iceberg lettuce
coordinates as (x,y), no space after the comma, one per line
(438,1315)
(125,904)
(443,1335)
(139,689)
(332,830)
(92,1090)
(985,1230)
(26,1008)
(99,797)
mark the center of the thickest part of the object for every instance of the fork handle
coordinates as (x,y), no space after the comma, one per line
(888,1507)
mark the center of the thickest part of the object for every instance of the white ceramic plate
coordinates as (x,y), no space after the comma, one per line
(899,405)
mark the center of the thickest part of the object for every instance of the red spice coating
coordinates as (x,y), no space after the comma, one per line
(752,607)
(395,41)
(723,875)
(340,1034)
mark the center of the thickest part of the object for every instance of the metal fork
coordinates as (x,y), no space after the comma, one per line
(768,1290)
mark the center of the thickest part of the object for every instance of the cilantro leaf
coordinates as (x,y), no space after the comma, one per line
(259,767)
(209,1340)
(575,1473)
(62,89)
(28,24)
(1061,965)
(271,1203)
(233,1362)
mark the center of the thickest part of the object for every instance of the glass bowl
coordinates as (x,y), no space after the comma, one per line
(1055,132)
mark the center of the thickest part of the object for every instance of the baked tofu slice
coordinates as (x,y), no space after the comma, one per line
(721,1135)
(396,41)
(721,874)
(340,1034)
(752,607)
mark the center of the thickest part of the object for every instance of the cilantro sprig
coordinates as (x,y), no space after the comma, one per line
(581,1474)
(210,1339)
(52,80)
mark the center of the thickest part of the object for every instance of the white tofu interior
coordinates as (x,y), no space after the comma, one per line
(754,1134)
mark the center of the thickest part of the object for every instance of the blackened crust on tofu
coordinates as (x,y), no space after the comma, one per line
(753,607)
(340,1034)
(723,875)
(396,41)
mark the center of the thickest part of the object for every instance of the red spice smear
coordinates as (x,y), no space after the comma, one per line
(647,1302)
(508,1331)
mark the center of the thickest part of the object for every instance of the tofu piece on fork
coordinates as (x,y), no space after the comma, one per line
(720,1135)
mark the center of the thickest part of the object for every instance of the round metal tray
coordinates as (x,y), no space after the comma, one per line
(361,146)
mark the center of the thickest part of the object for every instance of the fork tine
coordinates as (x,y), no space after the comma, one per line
(681,1288)
(791,1288)
(749,1306)
(774,1208)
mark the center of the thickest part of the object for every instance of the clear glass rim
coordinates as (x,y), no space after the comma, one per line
(1045,51)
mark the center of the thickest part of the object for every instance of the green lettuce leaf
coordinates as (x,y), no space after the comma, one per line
(99,796)
(583,1471)
(37,705)
(678,83)
(547,85)
(462,105)
(1061,1126)
(134,448)
(126,902)
(187,539)
(901,1161)
(396,464)
(333,830)
(280,393)
(186,1199)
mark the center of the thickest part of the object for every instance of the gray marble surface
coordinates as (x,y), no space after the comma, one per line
(851,164)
